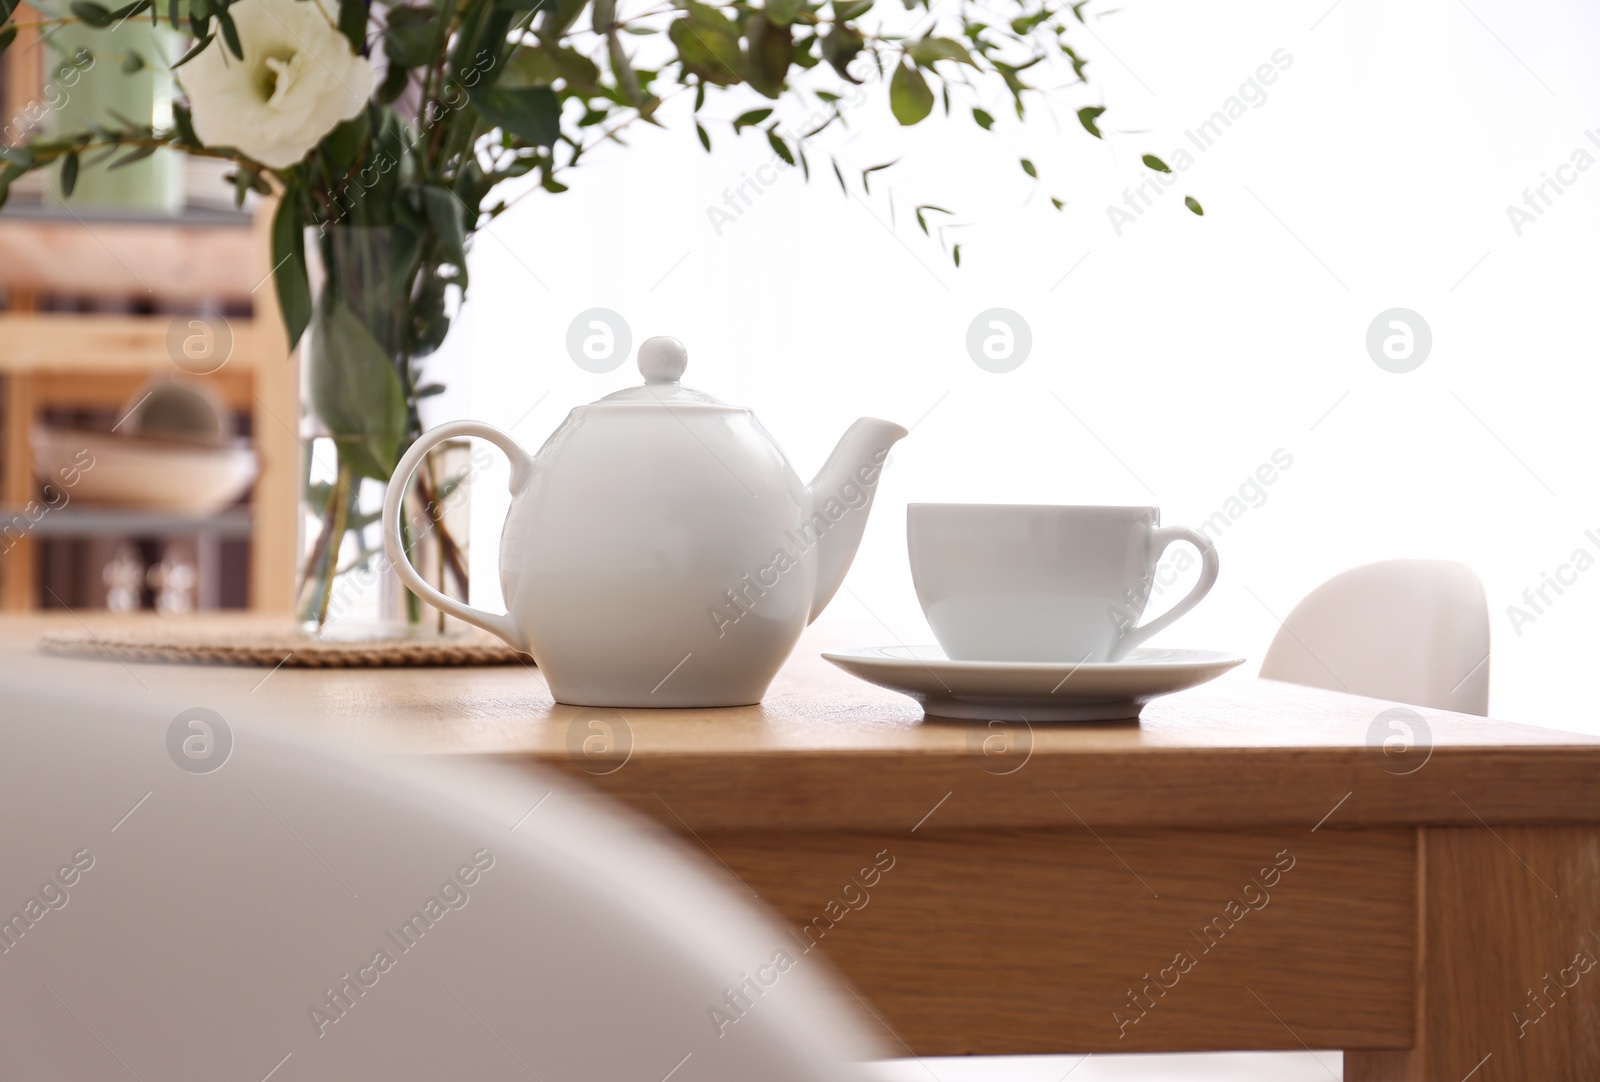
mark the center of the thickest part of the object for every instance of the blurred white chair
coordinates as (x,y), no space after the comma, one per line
(1411,631)
(192,898)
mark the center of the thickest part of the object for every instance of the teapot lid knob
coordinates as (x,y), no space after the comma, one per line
(662,359)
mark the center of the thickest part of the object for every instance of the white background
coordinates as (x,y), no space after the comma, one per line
(1172,360)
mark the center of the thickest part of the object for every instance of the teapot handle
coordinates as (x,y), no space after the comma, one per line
(393,504)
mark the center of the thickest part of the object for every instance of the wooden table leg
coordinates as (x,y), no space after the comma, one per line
(1508,977)
(19,558)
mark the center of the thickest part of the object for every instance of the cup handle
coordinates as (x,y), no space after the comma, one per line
(393,503)
(1163,537)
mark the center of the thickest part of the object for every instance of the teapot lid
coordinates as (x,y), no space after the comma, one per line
(662,361)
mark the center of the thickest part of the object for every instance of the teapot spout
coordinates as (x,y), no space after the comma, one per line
(841,498)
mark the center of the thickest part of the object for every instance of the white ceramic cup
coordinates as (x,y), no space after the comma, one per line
(1033,582)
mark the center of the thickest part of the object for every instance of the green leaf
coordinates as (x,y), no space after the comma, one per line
(7,36)
(1028,168)
(545,64)
(622,70)
(558,16)
(929,50)
(866,175)
(194,50)
(839,47)
(956,255)
(92,14)
(1088,117)
(705,136)
(782,12)
(199,21)
(843,187)
(771,52)
(1024,24)
(447,217)
(408,35)
(753,117)
(289,263)
(344,143)
(131,63)
(779,147)
(708,45)
(1194,205)
(230,33)
(845,10)
(1057,203)
(183,123)
(353,24)
(1156,163)
(910,99)
(69,174)
(529,67)
(1078,62)
(531,113)
(134,155)
(356,392)
(922,220)
(985,121)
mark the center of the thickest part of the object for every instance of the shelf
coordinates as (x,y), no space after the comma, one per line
(65,342)
(24,207)
(199,255)
(79,521)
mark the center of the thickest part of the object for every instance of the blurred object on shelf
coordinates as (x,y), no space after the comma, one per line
(72,560)
(175,580)
(173,408)
(136,471)
(96,76)
(123,576)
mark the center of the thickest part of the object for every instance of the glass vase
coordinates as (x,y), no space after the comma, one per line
(359,413)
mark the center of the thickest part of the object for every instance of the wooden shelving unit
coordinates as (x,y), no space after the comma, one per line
(206,261)
(56,360)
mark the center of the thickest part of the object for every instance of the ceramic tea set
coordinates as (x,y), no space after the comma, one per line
(659,551)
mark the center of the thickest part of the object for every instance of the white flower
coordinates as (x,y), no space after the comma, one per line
(299,78)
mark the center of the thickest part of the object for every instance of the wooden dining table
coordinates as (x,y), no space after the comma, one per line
(1250,865)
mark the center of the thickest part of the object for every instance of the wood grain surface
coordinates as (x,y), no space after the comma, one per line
(1104,941)
(1508,980)
(1044,882)
(828,752)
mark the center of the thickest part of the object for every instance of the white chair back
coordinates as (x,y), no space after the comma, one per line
(195,898)
(1412,631)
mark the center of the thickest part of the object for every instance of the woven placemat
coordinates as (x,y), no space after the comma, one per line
(286,647)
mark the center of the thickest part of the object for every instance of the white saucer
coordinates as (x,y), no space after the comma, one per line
(1031,690)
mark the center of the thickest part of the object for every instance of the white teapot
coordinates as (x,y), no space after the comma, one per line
(659,550)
